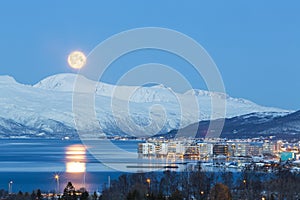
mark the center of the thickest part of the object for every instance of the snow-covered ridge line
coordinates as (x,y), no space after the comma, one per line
(65,82)
(46,107)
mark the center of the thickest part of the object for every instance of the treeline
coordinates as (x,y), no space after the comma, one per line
(35,195)
(198,184)
(69,194)
(191,184)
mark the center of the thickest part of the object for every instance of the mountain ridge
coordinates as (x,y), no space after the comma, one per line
(250,126)
(46,108)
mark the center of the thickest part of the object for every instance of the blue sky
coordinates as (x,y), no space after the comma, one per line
(255,44)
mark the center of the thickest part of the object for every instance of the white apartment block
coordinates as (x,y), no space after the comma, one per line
(146,149)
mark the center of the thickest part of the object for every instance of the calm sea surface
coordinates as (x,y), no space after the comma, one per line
(32,164)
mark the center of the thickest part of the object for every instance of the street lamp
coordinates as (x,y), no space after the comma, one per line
(10,187)
(148,180)
(201,194)
(57,183)
(245,185)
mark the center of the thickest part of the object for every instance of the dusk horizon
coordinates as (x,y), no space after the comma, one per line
(157,100)
(253,44)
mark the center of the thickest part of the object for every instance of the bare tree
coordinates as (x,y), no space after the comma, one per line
(220,192)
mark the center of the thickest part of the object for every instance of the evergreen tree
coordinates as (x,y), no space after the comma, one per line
(39,194)
(95,196)
(33,195)
(19,196)
(69,192)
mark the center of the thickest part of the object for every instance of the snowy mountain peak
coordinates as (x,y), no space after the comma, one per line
(155,85)
(46,107)
(59,82)
(7,80)
(197,92)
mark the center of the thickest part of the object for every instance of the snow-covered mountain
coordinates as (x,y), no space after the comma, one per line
(45,109)
(251,125)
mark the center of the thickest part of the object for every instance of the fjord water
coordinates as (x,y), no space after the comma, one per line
(32,164)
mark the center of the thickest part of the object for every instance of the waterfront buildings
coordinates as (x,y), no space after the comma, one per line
(210,148)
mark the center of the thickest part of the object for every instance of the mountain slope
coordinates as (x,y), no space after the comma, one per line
(45,109)
(252,125)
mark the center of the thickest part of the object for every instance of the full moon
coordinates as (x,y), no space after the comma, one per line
(76,59)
